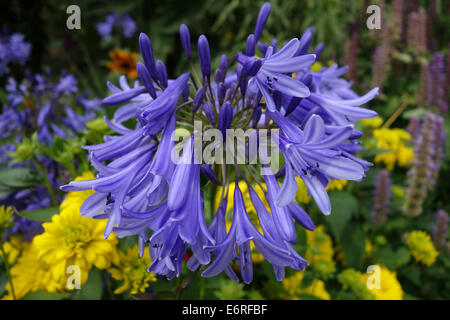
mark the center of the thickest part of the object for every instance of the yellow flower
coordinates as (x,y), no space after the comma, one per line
(293,285)
(13,248)
(374,122)
(31,274)
(336,184)
(132,270)
(71,239)
(421,247)
(123,62)
(6,214)
(390,288)
(320,251)
(394,141)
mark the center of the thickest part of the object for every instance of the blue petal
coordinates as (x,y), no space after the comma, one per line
(288,188)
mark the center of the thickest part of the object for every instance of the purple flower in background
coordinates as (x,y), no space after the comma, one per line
(428,151)
(19,49)
(149,183)
(381,198)
(440,229)
(124,22)
(49,107)
(105,28)
(437,95)
(128,25)
(13,49)
(439,148)
(50,97)
(67,84)
(414,126)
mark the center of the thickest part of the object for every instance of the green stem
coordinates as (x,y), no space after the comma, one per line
(71,168)
(338,297)
(195,78)
(46,181)
(185,283)
(8,273)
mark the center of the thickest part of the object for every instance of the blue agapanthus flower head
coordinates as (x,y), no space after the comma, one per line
(152,179)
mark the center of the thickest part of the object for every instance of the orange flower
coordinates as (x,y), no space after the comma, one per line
(123,62)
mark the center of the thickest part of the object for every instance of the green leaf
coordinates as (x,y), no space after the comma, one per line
(386,256)
(307,280)
(4,190)
(92,290)
(3,282)
(353,244)
(402,257)
(413,275)
(44,214)
(42,295)
(19,177)
(343,205)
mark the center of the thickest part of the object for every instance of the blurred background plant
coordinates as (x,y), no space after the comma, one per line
(396,218)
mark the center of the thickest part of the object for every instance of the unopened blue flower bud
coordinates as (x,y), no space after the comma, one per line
(185,37)
(146,79)
(198,99)
(162,73)
(204,55)
(261,21)
(305,41)
(250,45)
(223,64)
(209,111)
(274,44)
(185,93)
(221,89)
(318,50)
(225,117)
(147,54)
(218,76)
